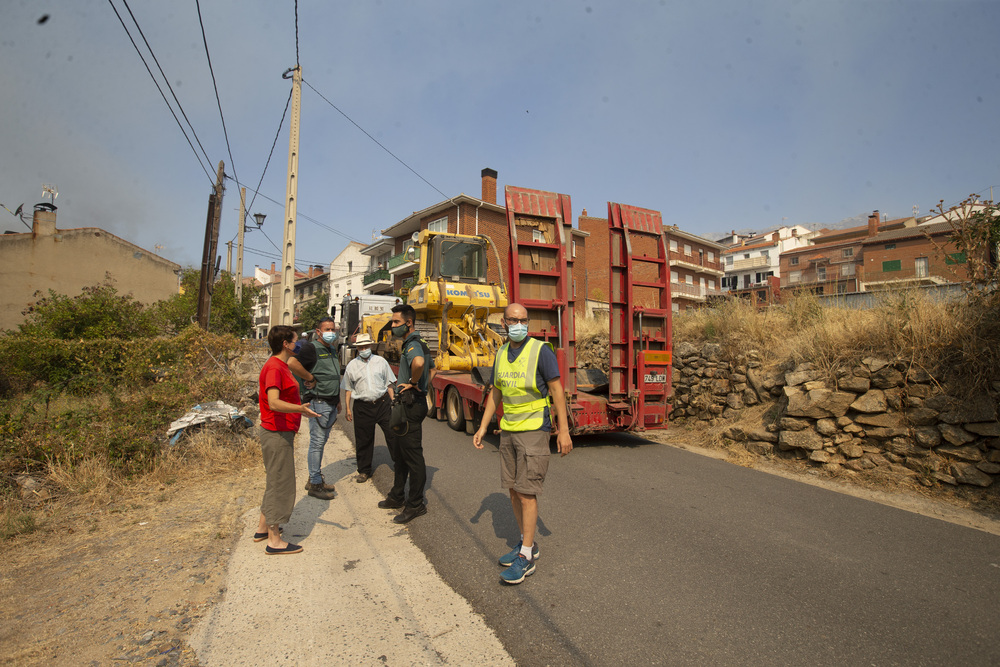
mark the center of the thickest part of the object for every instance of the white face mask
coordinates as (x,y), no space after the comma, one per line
(364,354)
(329,336)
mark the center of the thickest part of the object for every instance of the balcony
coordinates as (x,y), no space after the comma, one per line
(375,276)
(752,263)
(401,260)
(874,280)
(264,319)
(695,292)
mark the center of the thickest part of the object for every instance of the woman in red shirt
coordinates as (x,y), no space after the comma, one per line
(280,413)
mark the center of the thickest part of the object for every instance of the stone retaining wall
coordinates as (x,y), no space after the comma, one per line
(878,414)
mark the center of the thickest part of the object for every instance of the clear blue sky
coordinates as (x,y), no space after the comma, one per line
(721,115)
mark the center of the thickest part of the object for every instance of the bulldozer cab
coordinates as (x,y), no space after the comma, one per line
(455,258)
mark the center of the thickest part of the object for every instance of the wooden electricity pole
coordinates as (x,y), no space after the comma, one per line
(239,248)
(211,247)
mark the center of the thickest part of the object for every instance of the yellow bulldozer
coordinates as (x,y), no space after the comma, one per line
(453,300)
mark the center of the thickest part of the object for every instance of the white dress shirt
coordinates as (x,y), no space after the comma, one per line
(367,379)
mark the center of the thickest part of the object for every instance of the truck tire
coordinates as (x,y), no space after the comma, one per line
(432,411)
(453,409)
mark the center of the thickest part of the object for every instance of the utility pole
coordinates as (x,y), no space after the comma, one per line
(291,195)
(239,247)
(208,263)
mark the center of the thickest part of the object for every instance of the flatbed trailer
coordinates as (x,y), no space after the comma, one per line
(635,394)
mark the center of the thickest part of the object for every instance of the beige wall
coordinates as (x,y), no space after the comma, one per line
(69,260)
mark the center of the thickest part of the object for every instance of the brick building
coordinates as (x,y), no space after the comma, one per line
(695,269)
(391,271)
(834,263)
(918,255)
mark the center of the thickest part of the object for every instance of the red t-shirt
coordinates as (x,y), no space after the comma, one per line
(275,373)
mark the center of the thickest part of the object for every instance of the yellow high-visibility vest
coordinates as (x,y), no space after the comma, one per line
(523,403)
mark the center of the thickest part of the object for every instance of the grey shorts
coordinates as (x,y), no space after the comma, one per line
(524,460)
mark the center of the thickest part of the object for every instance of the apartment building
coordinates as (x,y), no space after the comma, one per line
(833,263)
(347,272)
(752,264)
(695,269)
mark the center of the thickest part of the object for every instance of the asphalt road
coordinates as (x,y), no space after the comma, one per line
(655,555)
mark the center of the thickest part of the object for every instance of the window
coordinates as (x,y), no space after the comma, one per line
(847,269)
(795,276)
(673,245)
(746,255)
(673,277)
(794,261)
(350,266)
(439,225)
(711,284)
(463,260)
(711,256)
(766,254)
(841,288)
(759,277)
(847,252)
(729,260)
(890,246)
(920,267)
(574,251)
(687,248)
(674,307)
(894,265)
(955,258)
(348,284)
(689,280)
(537,236)
(820,273)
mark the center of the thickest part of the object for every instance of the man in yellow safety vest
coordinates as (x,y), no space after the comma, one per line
(525,377)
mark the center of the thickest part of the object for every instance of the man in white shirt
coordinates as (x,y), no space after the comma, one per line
(368,379)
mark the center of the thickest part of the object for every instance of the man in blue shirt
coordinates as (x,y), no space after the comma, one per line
(525,374)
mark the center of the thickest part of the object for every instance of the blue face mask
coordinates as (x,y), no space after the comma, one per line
(329,337)
(364,354)
(517,332)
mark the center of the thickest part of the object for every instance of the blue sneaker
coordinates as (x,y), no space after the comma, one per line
(518,570)
(508,559)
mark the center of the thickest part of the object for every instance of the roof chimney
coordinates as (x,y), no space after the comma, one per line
(775,237)
(43,223)
(273,270)
(584,214)
(795,233)
(489,186)
(873,221)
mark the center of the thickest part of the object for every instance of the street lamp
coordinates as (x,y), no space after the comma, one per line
(259,217)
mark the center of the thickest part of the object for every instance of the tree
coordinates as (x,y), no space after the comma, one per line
(226,316)
(314,311)
(975,226)
(99,311)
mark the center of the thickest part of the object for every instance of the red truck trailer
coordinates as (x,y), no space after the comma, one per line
(634,395)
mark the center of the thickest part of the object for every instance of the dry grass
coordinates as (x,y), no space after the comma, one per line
(902,325)
(590,327)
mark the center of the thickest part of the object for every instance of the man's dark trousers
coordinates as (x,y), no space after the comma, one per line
(407,453)
(366,416)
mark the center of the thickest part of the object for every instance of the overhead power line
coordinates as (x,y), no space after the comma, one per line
(273,144)
(157,84)
(374,139)
(204,40)
(316,222)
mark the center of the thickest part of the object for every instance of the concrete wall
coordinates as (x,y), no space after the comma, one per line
(67,260)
